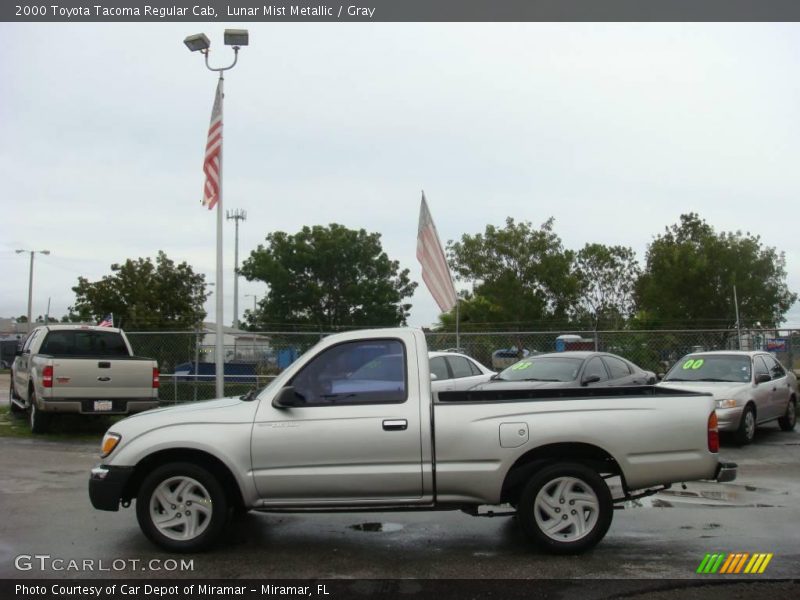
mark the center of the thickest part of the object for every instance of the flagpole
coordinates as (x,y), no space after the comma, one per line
(219,348)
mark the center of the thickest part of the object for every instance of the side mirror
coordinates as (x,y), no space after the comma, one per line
(590,379)
(288,398)
(762,378)
(660,376)
(18,352)
(434,377)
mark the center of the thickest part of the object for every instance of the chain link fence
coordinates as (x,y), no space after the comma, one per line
(252,360)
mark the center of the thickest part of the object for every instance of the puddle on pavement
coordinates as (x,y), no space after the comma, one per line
(377,527)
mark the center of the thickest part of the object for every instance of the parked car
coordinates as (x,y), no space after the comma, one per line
(296,446)
(453,371)
(750,388)
(80,369)
(570,369)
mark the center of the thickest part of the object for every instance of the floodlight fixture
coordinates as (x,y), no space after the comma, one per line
(236,37)
(198,41)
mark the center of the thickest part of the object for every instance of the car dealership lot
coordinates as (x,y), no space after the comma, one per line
(46,512)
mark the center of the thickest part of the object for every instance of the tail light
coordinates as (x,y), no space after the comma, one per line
(713,433)
(155,377)
(47,376)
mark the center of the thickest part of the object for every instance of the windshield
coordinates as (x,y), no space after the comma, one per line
(711,367)
(553,368)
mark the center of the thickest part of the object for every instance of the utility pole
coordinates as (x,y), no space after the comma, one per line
(236,215)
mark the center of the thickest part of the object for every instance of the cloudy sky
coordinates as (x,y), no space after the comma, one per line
(613,129)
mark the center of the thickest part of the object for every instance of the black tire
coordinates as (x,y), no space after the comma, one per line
(789,420)
(39,421)
(747,426)
(557,493)
(13,406)
(203,489)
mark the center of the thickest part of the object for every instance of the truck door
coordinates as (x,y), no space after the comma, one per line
(353,435)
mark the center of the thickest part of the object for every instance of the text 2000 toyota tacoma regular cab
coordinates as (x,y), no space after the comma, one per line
(352,425)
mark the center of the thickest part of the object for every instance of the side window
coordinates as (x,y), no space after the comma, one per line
(361,372)
(775,368)
(759,367)
(460,366)
(439,368)
(595,367)
(616,367)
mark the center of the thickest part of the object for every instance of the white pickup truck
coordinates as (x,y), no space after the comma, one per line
(80,369)
(319,439)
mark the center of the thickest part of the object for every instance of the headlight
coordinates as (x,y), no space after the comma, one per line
(727,403)
(110,441)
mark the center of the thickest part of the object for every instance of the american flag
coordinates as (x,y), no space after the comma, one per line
(435,272)
(108,321)
(213,162)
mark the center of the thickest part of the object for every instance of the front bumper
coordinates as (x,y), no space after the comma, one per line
(728,418)
(106,484)
(726,471)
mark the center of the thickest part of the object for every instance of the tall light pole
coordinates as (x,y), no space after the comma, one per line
(199,42)
(236,215)
(30,281)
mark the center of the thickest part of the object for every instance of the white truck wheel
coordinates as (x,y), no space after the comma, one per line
(181,507)
(565,508)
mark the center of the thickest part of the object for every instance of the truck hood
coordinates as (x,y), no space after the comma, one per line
(718,389)
(222,410)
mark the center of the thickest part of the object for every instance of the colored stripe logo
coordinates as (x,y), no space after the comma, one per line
(734,563)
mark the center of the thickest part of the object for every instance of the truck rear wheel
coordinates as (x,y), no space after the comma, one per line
(39,421)
(181,507)
(565,508)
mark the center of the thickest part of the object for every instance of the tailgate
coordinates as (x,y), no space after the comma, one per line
(103,378)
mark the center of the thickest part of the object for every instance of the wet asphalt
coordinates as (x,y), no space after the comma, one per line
(46,512)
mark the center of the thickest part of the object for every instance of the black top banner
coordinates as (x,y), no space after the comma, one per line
(242,11)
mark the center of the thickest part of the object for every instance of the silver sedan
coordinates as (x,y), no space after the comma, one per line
(750,388)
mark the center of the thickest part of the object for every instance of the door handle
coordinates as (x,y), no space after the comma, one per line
(395,425)
(104,379)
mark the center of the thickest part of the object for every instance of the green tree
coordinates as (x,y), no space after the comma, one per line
(144,296)
(690,273)
(608,276)
(520,275)
(327,278)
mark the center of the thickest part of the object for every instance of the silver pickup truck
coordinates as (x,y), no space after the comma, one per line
(330,435)
(80,369)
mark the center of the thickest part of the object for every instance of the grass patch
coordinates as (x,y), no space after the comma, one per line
(64,428)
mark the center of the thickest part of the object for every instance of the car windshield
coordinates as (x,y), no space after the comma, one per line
(552,368)
(711,367)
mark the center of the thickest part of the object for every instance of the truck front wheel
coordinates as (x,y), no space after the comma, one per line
(565,508)
(181,507)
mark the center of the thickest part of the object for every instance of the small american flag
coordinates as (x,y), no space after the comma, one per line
(435,272)
(108,321)
(213,162)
